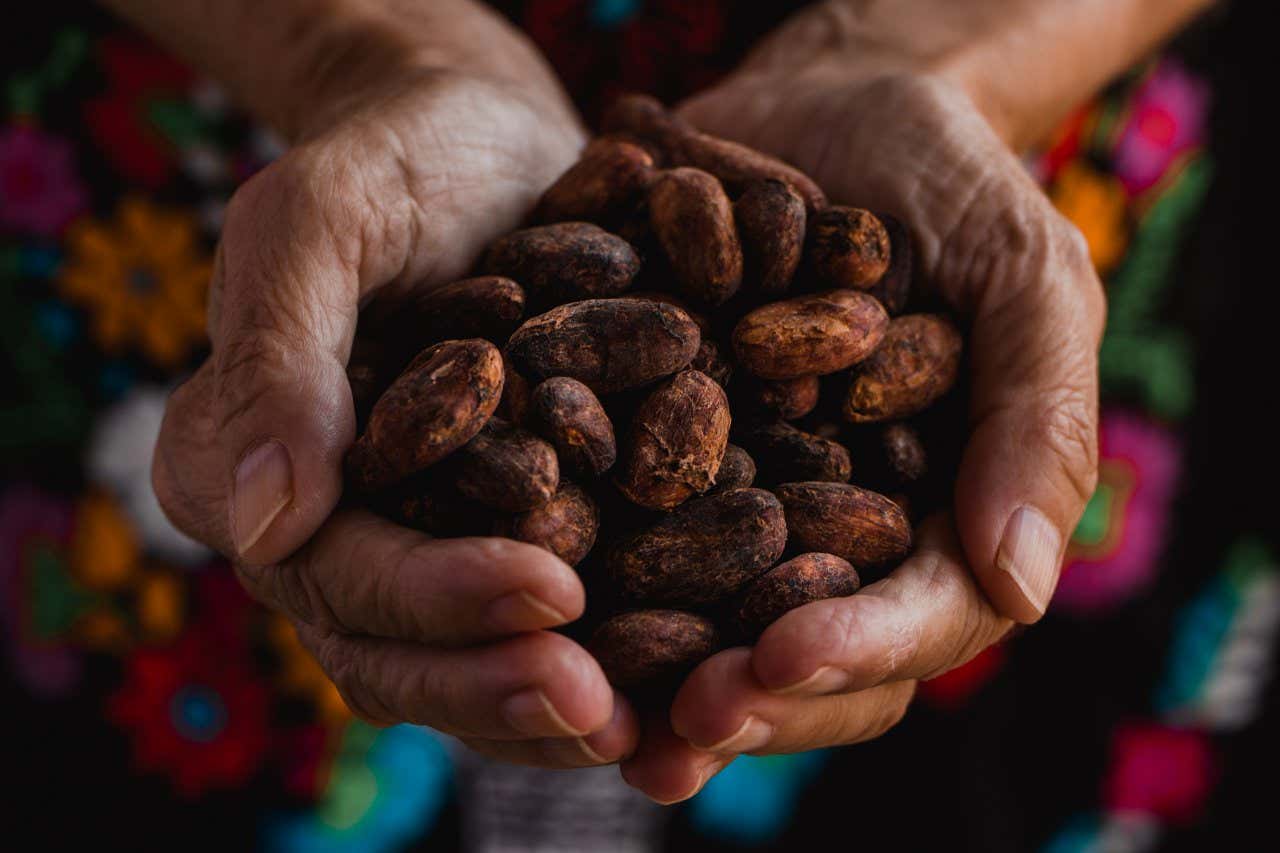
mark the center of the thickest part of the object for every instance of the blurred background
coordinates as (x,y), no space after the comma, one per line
(148,702)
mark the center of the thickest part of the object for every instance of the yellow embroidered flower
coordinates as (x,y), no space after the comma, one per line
(1096,204)
(105,554)
(143,277)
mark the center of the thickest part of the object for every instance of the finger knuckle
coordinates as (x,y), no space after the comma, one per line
(346,664)
(1066,426)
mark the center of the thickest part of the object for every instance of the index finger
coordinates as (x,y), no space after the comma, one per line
(928,616)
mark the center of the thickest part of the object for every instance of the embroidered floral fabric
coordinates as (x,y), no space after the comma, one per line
(150,702)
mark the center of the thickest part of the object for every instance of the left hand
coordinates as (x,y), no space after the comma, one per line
(912,143)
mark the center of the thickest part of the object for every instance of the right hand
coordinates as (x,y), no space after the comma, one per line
(403,192)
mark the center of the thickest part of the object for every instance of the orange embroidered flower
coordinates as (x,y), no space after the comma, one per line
(143,277)
(1096,203)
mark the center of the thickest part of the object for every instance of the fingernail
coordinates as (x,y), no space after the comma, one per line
(521,611)
(263,487)
(826,679)
(592,756)
(531,712)
(752,735)
(1029,553)
(693,792)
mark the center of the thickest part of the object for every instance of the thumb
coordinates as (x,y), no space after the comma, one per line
(1031,462)
(284,307)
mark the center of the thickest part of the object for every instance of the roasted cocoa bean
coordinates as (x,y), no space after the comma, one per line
(676,442)
(795,583)
(434,407)
(693,220)
(566,413)
(488,307)
(514,405)
(566,525)
(648,646)
(602,187)
(711,360)
(788,399)
(770,217)
(565,261)
(703,551)
(847,247)
(863,527)
(783,454)
(508,468)
(904,453)
(607,344)
(916,363)
(809,335)
(737,470)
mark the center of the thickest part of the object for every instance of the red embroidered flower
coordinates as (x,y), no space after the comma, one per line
(197,711)
(39,190)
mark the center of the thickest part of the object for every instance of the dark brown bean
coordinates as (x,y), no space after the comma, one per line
(703,551)
(863,527)
(435,406)
(607,344)
(894,287)
(795,583)
(809,335)
(565,261)
(565,412)
(847,247)
(788,399)
(770,217)
(784,454)
(606,182)
(676,442)
(737,470)
(917,362)
(566,525)
(647,646)
(693,220)
(508,468)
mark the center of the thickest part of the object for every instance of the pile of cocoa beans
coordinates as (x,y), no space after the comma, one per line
(669,380)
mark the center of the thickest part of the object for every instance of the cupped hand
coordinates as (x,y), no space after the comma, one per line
(884,134)
(399,189)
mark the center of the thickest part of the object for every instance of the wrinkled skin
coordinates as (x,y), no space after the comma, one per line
(399,194)
(913,145)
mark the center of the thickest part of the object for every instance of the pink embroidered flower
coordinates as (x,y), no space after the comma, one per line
(39,189)
(1115,549)
(1166,120)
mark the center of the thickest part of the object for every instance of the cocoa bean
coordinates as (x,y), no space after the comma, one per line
(565,261)
(904,453)
(770,217)
(647,646)
(847,247)
(601,187)
(434,407)
(711,360)
(809,335)
(514,405)
(566,413)
(693,220)
(676,442)
(863,527)
(783,453)
(737,470)
(703,551)
(607,344)
(566,525)
(795,583)
(432,504)
(788,399)
(916,363)
(488,307)
(894,287)
(508,468)
(737,166)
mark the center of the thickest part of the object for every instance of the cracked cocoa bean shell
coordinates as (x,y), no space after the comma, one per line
(916,363)
(566,412)
(566,525)
(565,261)
(864,527)
(692,218)
(676,442)
(703,551)
(508,468)
(847,247)
(795,583)
(608,345)
(809,335)
(435,406)
(648,646)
